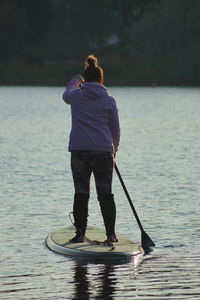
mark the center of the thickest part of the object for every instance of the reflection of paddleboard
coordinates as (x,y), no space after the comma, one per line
(58,241)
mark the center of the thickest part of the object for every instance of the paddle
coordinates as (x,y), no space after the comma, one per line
(146,240)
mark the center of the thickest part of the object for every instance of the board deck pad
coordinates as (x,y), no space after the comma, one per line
(58,241)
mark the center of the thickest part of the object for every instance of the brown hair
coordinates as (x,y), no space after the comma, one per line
(92,71)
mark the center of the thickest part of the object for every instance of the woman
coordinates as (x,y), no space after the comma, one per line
(94,140)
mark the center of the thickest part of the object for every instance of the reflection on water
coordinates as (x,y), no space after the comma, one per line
(99,281)
(82,282)
(159,162)
(146,277)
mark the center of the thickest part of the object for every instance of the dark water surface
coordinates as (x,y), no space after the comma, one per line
(159,160)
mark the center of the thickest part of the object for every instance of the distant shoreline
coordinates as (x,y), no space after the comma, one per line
(117,73)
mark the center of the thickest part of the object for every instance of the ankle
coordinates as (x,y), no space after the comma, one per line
(111,238)
(78,238)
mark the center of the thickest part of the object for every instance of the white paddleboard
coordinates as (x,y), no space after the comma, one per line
(58,242)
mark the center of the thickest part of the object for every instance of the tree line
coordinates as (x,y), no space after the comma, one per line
(144,42)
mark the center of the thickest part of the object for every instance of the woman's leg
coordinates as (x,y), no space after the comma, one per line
(103,173)
(81,172)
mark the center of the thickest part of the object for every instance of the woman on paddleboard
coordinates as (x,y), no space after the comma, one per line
(94,140)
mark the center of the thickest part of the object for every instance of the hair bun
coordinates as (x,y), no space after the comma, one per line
(91,61)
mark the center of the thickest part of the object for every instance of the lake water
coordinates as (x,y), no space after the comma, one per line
(159,161)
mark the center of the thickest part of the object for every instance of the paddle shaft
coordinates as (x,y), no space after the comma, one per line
(128,197)
(146,240)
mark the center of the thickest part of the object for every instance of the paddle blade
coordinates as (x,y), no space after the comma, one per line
(146,241)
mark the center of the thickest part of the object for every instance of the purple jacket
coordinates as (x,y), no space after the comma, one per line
(95,122)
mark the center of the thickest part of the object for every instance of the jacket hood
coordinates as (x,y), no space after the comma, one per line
(94,90)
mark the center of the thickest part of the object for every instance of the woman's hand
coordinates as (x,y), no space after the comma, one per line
(78,77)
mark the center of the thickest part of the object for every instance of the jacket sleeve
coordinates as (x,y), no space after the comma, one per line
(115,127)
(72,85)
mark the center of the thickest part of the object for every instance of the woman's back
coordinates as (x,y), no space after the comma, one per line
(94,118)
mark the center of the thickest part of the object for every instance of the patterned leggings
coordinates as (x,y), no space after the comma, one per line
(86,162)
